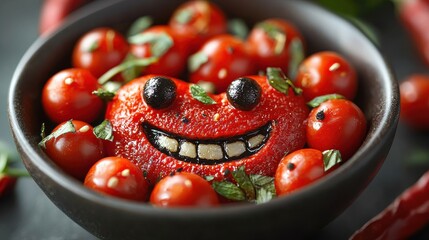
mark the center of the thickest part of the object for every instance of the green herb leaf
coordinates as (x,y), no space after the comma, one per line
(278,80)
(104,94)
(65,128)
(184,16)
(141,62)
(93,46)
(199,94)
(297,56)
(139,25)
(160,42)
(265,189)
(3,162)
(263,195)
(238,28)
(418,157)
(209,178)
(276,34)
(104,130)
(244,182)
(229,190)
(131,72)
(196,60)
(331,158)
(315,102)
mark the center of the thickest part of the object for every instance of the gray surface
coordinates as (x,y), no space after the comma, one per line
(28,214)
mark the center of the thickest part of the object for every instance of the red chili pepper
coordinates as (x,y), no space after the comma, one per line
(403,217)
(414,14)
(55,11)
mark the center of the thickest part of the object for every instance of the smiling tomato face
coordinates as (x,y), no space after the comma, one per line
(161,127)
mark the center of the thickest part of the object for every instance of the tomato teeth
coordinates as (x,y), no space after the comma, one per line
(208,151)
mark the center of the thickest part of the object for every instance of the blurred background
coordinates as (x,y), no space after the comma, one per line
(28,214)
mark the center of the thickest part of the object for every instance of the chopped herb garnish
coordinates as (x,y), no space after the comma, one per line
(331,158)
(139,25)
(104,130)
(184,16)
(160,42)
(229,190)
(196,60)
(296,56)
(131,72)
(93,46)
(278,80)
(199,94)
(319,100)
(141,62)
(238,28)
(209,178)
(243,181)
(252,188)
(104,94)
(276,34)
(67,127)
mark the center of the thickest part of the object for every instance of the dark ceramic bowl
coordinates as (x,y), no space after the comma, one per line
(298,214)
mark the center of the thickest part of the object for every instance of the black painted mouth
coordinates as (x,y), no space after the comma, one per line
(208,151)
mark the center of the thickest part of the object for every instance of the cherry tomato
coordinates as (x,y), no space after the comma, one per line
(336,124)
(299,169)
(68,95)
(100,50)
(75,152)
(183,190)
(164,43)
(197,21)
(7,184)
(326,73)
(414,93)
(272,42)
(220,61)
(116,176)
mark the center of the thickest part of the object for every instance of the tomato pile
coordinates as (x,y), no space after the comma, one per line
(254,118)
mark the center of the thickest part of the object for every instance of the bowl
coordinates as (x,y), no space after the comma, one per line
(299,214)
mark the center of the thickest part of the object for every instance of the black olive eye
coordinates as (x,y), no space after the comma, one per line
(159,92)
(244,93)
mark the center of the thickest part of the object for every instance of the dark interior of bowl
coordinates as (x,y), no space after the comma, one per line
(301,213)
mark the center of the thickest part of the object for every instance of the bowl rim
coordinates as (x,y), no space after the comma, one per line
(387,126)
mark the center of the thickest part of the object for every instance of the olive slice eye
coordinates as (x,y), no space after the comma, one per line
(244,93)
(159,92)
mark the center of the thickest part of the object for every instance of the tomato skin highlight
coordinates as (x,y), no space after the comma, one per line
(100,50)
(68,95)
(75,152)
(228,59)
(298,169)
(336,124)
(264,47)
(326,73)
(184,190)
(117,177)
(414,93)
(205,20)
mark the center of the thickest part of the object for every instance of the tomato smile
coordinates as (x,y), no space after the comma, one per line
(208,151)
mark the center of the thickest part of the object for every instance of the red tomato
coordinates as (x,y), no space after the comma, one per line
(271,40)
(414,93)
(75,152)
(299,169)
(54,12)
(184,190)
(7,184)
(326,73)
(164,43)
(116,176)
(100,50)
(220,61)
(336,124)
(68,95)
(197,21)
